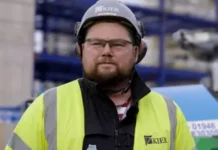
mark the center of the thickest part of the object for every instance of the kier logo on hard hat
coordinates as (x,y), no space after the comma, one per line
(102,9)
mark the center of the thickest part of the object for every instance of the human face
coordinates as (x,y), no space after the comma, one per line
(104,62)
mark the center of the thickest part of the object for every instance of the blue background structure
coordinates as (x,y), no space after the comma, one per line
(196,101)
(59,16)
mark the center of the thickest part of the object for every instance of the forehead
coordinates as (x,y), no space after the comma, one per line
(108,30)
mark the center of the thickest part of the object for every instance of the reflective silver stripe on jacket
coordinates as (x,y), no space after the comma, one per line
(16,143)
(173,121)
(50,108)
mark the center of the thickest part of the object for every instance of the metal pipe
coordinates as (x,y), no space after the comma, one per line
(162,74)
(45,25)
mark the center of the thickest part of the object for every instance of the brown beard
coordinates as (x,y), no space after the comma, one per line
(108,80)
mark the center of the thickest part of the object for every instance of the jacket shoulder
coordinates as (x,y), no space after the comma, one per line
(50,96)
(158,96)
(68,85)
(159,100)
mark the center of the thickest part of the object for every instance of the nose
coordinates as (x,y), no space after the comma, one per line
(107,50)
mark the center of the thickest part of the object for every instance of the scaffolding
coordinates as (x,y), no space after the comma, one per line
(59,16)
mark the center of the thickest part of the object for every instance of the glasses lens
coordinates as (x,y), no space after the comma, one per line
(119,43)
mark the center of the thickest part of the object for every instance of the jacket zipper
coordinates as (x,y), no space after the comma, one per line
(116,131)
(116,135)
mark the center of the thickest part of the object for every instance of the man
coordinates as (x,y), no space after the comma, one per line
(110,108)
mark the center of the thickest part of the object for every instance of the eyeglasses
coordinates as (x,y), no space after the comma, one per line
(115,44)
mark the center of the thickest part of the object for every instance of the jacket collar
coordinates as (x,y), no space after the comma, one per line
(138,87)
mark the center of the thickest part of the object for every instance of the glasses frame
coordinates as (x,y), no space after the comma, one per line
(111,43)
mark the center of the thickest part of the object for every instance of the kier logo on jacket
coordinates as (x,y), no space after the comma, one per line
(150,140)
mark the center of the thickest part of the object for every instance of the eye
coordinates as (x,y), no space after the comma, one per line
(118,43)
(96,42)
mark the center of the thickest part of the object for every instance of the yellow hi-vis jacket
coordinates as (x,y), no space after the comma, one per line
(48,125)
